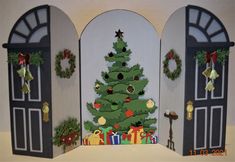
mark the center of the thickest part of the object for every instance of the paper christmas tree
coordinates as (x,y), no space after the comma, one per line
(118,106)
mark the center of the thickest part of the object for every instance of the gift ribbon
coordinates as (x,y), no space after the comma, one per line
(105,131)
(134,131)
(211,56)
(113,138)
(23,59)
(146,135)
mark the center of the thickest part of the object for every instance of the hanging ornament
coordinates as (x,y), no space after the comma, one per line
(130,89)
(210,86)
(114,106)
(97,105)
(116,126)
(136,78)
(25,88)
(150,104)
(97,86)
(207,72)
(124,49)
(124,64)
(129,113)
(120,76)
(213,74)
(110,54)
(28,75)
(141,93)
(128,99)
(22,72)
(110,90)
(106,76)
(101,120)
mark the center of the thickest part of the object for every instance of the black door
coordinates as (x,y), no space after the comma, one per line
(31,135)
(205,132)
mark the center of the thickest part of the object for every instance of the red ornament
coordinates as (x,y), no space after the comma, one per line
(116,126)
(97,105)
(128,99)
(214,56)
(129,113)
(170,55)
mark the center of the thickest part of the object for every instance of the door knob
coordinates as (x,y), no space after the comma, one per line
(189,110)
(45,110)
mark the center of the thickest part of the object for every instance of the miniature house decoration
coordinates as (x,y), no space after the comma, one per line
(117,105)
(39,99)
(198,96)
(134,87)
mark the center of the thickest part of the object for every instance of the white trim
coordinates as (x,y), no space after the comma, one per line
(221,125)
(196,83)
(39,87)
(222,89)
(14,125)
(13,87)
(195,129)
(40,130)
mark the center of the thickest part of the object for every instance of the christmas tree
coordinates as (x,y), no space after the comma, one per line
(118,105)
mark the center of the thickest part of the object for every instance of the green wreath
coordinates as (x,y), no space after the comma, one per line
(68,71)
(171,55)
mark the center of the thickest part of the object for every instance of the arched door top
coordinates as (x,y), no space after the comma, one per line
(30,28)
(204,27)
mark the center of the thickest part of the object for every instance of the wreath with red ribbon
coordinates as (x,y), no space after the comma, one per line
(171,55)
(68,71)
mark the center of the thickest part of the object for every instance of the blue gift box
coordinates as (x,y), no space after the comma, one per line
(115,138)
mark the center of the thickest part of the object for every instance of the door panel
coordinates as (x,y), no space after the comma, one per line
(218,93)
(16,83)
(35,84)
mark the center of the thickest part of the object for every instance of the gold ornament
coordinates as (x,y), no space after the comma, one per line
(28,76)
(22,72)
(101,120)
(25,88)
(150,104)
(214,74)
(207,72)
(210,86)
(97,86)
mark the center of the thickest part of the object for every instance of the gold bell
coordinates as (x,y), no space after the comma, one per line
(25,88)
(210,86)
(214,74)
(28,76)
(207,72)
(22,72)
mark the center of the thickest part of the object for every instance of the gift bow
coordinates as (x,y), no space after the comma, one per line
(146,135)
(23,59)
(105,131)
(212,56)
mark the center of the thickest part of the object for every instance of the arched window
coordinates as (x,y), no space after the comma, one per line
(205,27)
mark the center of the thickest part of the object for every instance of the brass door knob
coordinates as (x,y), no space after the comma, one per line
(189,110)
(45,110)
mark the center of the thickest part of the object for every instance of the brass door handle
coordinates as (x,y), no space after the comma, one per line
(189,110)
(45,110)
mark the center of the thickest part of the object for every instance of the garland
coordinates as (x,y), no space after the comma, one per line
(171,55)
(67,133)
(68,71)
(219,56)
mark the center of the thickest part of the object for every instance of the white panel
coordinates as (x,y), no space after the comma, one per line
(39,87)
(40,129)
(22,28)
(204,19)
(222,89)
(31,19)
(221,125)
(17,39)
(24,129)
(219,38)
(13,87)
(38,35)
(193,14)
(195,128)
(196,83)
(214,26)
(197,34)
(42,15)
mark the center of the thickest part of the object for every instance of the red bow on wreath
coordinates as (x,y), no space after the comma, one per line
(211,56)
(67,53)
(23,59)
(170,55)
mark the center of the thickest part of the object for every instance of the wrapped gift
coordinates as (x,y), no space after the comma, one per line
(135,134)
(126,138)
(105,135)
(85,140)
(94,139)
(154,139)
(115,138)
(146,137)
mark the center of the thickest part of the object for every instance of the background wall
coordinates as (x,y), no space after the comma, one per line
(82,11)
